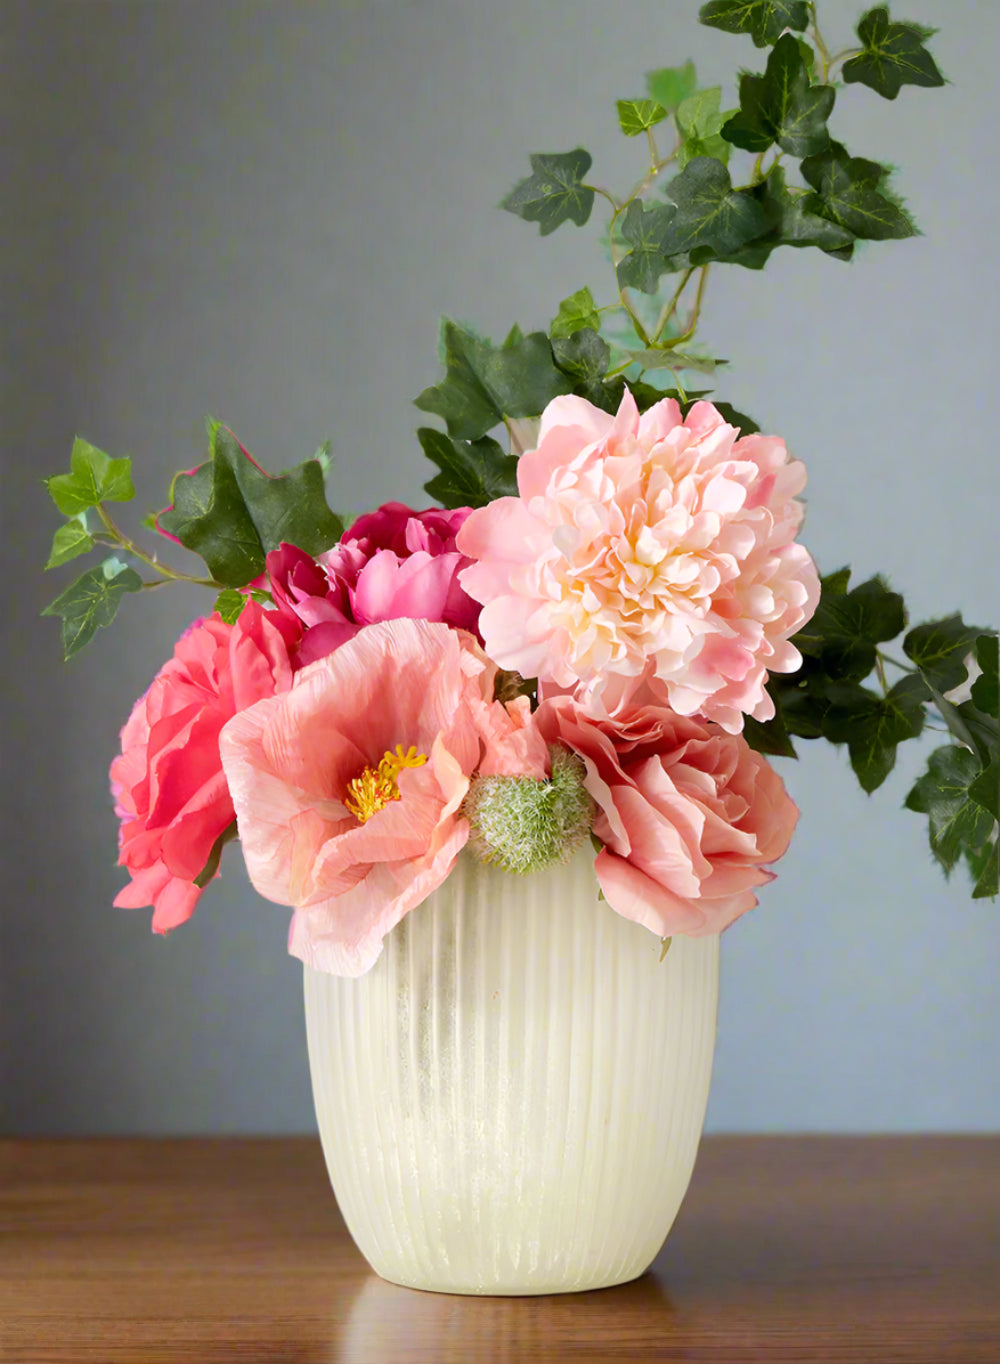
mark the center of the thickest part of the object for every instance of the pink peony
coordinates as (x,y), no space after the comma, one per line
(169,788)
(393,563)
(689,814)
(646,545)
(347,788)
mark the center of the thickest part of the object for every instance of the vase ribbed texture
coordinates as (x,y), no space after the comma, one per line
(511,1100)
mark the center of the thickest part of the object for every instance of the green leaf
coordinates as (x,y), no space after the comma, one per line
(985,691)
(95,477)
(939,649)
(700,122)
(230,603)
(575,312)
(872,726)
(985,790)
(553,194)
(747,426)
(70,540)
(645,230)
(472,472)
(847,626)
(676,361)
(985,871)
(770,737)
(671,85)
(894,55)
(484,383)
(847,193)
(764,20)
(710,213)
(91,602)
(585,356)
(782,106)
(958,823)
(233,514)
(636,115)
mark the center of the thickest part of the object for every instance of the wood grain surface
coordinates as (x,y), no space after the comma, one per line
(853,1249)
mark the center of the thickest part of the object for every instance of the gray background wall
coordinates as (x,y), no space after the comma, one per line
(259,212)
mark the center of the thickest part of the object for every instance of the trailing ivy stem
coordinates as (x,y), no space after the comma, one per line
(843,56)
(654,155)
(881,673)
(903,667)
(607,195)
(824,51)
(130,547)
(692,325)
(669,307)
(757,177)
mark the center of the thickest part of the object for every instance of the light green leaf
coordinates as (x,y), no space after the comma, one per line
(575,312)
(95,477)
(672,84)
(636,115)
(69,541)
(230,603)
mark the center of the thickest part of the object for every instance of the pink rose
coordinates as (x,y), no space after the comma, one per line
(347,788)
(689,814)
(169,788)
(646,545)
(393,563)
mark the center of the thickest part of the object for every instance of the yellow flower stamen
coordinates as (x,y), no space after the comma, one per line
(376,786)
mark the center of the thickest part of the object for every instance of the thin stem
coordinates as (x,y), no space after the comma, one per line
(692,325)
(668,308)
(824,51)
(843,57)
(654,156)
(606,194)
(887,658)
(881,672)
(166,574)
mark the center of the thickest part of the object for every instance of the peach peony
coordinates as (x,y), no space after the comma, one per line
(646,546)
(689,814)
(347,788)
(169,789)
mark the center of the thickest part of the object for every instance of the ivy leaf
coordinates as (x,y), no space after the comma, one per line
(233,514)
(585,356)
(985,868)
(671,85)
(872,726)
(894,55)
(95,477)
(764,20)
(847,193)
(770,737)
(985,790)
(676,361)
(710,213)
(553,194)
(958,823)
(472,472)
(636,115)
(985,689)
(91,602)
(699,123)
(645,229)
(939,649)
(847,626)
(782,106)
(230,603)
(69,541)
(484,383)
(575,312)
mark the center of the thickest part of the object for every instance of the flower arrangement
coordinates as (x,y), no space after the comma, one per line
(603,633)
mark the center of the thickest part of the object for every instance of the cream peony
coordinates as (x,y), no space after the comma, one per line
(646,548)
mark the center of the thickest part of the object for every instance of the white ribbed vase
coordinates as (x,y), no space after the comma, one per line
(511,1100)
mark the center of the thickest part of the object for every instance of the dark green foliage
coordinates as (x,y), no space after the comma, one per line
(553,194)
(782,106)
(233,514)
(764,20)
(92,602)
(472,472)
(894,55)
(847,192)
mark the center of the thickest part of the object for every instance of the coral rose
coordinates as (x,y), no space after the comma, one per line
(393,563)
(347,788)
(689,814)
(646,545)
(169,788)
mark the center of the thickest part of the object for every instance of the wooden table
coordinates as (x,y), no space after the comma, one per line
(787,1248)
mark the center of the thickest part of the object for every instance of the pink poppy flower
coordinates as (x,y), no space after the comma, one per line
(690,815)
(170,792)
(393,563)
(347,788)
(648,546)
